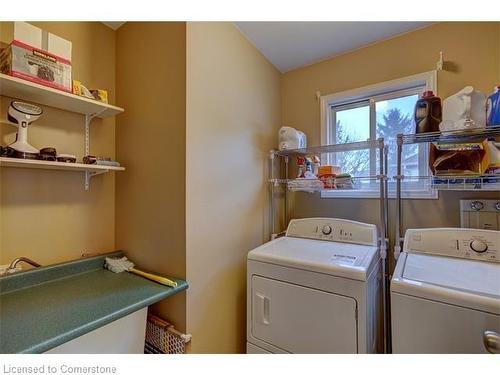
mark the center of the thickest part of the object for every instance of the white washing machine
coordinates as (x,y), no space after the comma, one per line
(316,290)
(445,292)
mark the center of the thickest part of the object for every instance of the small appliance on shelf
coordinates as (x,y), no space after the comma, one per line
(22,115)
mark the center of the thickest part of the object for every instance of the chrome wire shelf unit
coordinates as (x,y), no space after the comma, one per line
(374,146)
(455,136)
(293,184)
(469,182)
(342,147)
(278,181)
(484,182)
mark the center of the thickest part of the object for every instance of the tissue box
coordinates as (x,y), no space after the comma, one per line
(35,65)
(37,38)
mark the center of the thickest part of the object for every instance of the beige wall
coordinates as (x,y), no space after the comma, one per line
(233,105)
(46,215)
(472,54)
(151,142)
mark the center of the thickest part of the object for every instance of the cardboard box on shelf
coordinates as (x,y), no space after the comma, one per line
(457,159)
(80,90)
(24,61)
(100,95)
(491,160)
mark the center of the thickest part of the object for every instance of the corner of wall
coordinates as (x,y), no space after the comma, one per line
(234,110)
(151,142)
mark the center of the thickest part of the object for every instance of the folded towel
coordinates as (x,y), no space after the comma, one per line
(109,163)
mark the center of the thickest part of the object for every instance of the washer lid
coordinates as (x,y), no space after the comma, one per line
(334,258)
(465,275)
(468,283)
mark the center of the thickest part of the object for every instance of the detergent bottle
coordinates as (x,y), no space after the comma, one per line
(493,108)
(428,113)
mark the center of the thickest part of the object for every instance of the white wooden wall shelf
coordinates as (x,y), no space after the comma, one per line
(21,89)
(90,170)
(25,90)
(41,164)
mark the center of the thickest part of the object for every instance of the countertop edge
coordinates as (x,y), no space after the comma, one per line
(91,326)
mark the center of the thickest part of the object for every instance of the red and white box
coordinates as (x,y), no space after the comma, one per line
(38,56)
(35,65)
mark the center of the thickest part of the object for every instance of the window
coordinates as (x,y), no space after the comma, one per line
(377,111)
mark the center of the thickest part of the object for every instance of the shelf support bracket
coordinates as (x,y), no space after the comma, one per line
(89,175)
(440,62)
(88,120)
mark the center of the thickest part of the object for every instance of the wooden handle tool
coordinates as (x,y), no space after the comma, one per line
(159,279)
(123,264)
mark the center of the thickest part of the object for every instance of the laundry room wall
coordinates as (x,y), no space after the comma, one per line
(151,142)
(472,53)
(47,215)
(233,115)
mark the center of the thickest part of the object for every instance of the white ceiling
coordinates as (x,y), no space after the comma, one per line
(289,45)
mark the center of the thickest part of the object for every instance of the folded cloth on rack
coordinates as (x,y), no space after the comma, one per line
(344,184)
(305,184)
(108,163)
(344,181)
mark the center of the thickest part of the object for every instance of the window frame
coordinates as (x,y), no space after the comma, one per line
(370,94)
(331,158)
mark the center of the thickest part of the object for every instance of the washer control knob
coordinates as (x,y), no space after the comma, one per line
(497,206)
(477,205)
(326,230)
(478,246)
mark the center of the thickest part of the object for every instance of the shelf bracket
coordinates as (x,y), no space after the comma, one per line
(440,62)
(88,120)
(89,175)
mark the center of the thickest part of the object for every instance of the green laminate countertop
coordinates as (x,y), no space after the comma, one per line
(48,306)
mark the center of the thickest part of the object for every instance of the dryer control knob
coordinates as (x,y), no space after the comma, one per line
(477,205)
(326,229)
(478,246)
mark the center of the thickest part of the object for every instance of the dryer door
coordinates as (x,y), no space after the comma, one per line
(302,320)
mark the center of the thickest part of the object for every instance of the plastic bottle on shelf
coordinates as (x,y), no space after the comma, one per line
(493,108)
(428,113)
(301,162)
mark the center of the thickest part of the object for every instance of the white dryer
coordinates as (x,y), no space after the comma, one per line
(445,292)
(316,290)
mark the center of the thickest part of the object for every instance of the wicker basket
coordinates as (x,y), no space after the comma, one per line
(163,338)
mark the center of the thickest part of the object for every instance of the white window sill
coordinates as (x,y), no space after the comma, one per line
(375,194)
